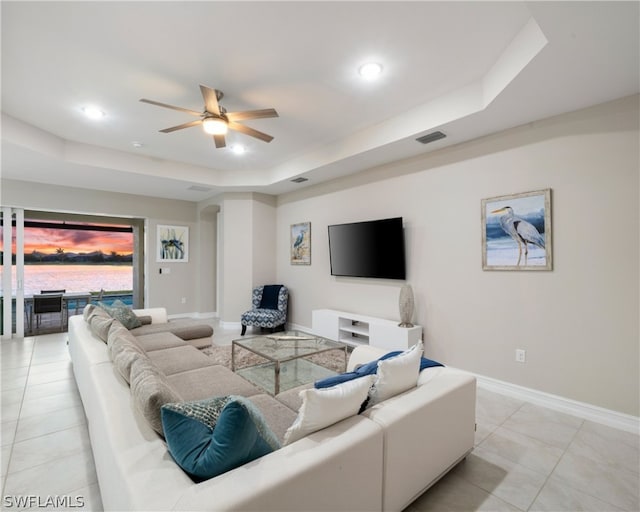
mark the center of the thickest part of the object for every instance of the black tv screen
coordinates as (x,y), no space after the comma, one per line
(368,249)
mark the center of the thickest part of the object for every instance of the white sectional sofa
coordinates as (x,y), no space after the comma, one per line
(381,459)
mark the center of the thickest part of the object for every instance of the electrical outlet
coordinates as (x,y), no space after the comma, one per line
(183,300)
(521,355)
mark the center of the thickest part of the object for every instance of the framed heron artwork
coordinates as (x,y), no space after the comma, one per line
(516,231)
(300,249)
(173,244)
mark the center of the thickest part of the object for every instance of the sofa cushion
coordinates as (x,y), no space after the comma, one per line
(87,311)
(396,374)
(145,319)
(119,335)
(150,391)
(123,350)
(96,311)
(210,437)
(159,341)
(210,381)
(179,359)
(185,329)
(100,325)
(323,407)
(291,397)
(278,416)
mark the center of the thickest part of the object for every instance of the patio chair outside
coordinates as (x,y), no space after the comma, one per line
(46,304)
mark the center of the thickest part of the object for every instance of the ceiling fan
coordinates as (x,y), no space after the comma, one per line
(215,119)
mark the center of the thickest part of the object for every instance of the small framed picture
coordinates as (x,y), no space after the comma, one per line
(300,249)
(173,244)
(516,231)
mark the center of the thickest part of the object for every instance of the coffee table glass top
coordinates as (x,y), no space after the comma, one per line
(281,364)
(287,345)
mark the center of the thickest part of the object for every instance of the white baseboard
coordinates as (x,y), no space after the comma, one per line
(181,315)
(296,327)
(583,410)
(288,326)
(211,314)
(230,325)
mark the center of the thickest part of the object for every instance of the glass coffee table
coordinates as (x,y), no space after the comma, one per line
(282,359)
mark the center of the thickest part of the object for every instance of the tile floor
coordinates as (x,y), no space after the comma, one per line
(527,458)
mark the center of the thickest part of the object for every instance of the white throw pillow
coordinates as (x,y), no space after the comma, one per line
(396,374)
(323,407)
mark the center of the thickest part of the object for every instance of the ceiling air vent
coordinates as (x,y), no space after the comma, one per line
(299,179)
(199,188)
(431,137)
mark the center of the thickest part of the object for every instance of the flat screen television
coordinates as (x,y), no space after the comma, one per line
(368,249)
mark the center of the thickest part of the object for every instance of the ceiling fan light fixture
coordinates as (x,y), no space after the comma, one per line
(215,126)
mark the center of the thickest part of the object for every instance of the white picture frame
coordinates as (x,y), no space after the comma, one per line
(172,244)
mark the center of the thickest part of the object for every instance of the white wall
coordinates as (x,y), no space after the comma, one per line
(578,323)
(208,237)
(162,289)
(236,257)
(248,248)
(264,240)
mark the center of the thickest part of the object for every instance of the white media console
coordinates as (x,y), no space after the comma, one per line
(354,329)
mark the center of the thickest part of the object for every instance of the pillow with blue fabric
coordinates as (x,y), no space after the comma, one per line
(368,369)
(270,294)
(396,375)
(123,313)
(212,436)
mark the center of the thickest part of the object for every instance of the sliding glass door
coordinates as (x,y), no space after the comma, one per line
(12,273)
(84,256)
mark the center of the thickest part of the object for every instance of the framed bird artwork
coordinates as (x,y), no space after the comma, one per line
(301,243)
(516,231)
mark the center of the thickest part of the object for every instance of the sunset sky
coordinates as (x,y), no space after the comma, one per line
(48,240)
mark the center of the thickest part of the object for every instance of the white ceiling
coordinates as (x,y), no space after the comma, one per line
(465,68)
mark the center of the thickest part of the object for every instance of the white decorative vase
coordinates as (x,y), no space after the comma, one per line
(406,306)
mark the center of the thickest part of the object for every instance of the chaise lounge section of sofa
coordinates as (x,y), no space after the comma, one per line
(394,450)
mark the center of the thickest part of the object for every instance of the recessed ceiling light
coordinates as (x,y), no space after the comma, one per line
(238,149)
(136,144)
(93,112)
(370,70)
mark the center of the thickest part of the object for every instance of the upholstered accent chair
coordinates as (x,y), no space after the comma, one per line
(269,308)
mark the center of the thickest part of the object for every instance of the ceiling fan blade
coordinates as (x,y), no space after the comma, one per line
(210,99)
(250,131)
(251,114)
(192,112)
(219,140)
(181,126)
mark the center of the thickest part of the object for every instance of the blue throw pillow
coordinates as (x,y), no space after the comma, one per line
(123,313)
(210,437)
(270,296)
(368,369)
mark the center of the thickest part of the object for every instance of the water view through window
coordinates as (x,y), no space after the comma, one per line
(76,257)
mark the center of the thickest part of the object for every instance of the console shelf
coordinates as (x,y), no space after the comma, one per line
(354,329)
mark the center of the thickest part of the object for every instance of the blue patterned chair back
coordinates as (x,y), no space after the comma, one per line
(266,317)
